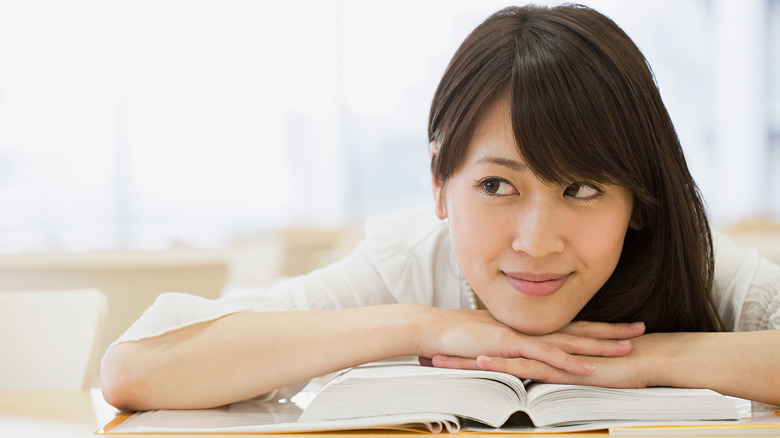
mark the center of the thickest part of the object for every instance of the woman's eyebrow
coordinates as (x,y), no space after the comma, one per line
(517,166)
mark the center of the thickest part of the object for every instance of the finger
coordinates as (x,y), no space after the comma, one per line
(589,346)
(552,355)
(462,363)
(605,330)
(525,369)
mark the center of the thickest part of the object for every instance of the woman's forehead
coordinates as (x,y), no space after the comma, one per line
(494,132)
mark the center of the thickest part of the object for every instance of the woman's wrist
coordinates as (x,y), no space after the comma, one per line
(422,328)
(676,359)
(653,360)
(413,324)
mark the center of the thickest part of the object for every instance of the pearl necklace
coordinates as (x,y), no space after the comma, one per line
(473,299)
(472,296)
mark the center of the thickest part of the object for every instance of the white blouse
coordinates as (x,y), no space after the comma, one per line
(407,258)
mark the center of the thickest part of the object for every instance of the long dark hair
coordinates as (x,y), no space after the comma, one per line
(585,107)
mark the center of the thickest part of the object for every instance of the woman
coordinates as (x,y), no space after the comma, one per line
(568,244)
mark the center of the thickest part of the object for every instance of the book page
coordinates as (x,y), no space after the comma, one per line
(570,404)
(394,389)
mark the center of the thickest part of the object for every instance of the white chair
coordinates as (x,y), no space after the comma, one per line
(48,339)
(131,280)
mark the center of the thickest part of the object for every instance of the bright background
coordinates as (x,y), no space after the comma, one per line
(147,124)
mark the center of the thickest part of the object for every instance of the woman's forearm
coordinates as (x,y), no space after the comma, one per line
(741,364)
(247,354)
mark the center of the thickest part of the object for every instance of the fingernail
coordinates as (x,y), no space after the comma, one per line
(636,325)
(623,342)
(484,362)
(484,359)
(587,367)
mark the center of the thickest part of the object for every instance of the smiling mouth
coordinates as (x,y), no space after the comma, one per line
(536,284)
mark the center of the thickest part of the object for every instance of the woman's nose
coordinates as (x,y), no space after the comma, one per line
(538,231)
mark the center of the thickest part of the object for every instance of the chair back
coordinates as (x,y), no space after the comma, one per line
(130,280)
(48,339)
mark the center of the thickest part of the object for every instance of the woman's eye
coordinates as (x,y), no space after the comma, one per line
(498,187)
(583,191)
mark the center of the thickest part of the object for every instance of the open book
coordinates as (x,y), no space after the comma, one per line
(496,399)
(400,395)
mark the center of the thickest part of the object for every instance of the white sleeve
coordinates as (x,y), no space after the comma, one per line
(348,283)
(174,310)
(747,287)
(351,282)
(404,258)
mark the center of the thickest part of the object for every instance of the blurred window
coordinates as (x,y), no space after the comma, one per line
(142,124)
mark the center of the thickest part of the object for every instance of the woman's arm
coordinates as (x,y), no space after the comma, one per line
(243,355)
(740,364)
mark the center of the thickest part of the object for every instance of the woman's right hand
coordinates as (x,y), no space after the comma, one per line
(454,338)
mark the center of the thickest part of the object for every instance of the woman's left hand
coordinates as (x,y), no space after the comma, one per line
(630,371)
(619,371)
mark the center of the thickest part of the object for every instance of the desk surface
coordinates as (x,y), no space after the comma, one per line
(79,414)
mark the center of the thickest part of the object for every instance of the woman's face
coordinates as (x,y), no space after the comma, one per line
(534,253)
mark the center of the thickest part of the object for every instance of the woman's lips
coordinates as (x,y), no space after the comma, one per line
(536,284)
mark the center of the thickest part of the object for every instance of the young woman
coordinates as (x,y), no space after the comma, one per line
(568,244)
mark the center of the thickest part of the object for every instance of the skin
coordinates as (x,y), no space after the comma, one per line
(247,354)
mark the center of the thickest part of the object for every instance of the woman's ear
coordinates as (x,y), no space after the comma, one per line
(637,221)
(438,186)
(439,189)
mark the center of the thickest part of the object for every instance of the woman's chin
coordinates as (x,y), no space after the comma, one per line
(533,326)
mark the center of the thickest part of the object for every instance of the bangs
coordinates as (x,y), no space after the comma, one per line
(569,115)
(584,104)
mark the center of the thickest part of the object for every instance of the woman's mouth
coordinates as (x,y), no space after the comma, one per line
(536,284)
